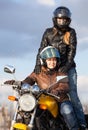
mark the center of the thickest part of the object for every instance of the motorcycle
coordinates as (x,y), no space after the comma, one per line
(36,109)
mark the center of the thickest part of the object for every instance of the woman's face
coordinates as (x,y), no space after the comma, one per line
(61,21)
(51,62)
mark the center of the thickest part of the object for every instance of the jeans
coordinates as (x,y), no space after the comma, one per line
(72,74)
(67,112)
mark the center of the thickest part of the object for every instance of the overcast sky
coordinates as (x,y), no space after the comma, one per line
(22,24)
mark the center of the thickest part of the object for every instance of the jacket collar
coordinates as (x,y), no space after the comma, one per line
(48,71)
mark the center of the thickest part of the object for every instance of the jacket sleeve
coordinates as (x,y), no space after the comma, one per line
(44,43)
(71,48)
(61,87)
(31,79)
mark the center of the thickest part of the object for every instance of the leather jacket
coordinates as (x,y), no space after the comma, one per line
(47,78)
(56,37)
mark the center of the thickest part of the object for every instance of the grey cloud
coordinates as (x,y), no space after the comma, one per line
(26,18)
(22,24)
(83,44)
(16,45)
(78,9)
(18,21)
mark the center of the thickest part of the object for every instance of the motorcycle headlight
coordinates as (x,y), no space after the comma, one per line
(27,102)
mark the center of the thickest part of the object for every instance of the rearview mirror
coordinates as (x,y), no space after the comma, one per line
(9,69)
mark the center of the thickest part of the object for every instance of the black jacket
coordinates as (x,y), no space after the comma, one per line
(65,41)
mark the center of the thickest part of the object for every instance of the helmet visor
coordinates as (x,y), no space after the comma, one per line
(49,52)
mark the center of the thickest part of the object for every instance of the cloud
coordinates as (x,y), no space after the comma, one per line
(21,28)
(27,18)
(46,2)
(16,44)
(83,82)
(83,88)
(23,22)
(83,44)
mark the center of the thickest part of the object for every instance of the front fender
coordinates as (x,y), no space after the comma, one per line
(20,126)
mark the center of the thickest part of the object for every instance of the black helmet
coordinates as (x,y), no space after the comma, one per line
(62,12)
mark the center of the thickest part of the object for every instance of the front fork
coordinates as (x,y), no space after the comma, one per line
(30,125)
(14,118)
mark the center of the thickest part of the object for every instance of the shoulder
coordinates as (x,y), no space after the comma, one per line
(49,30)
(72,30)
(32,75)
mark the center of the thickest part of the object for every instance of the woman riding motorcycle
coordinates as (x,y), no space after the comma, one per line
(50,61)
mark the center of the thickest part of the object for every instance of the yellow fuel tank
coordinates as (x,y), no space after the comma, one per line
(50,103)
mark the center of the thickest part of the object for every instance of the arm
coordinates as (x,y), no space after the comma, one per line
(31,79)
(61,86)
(71,51)
(43,44)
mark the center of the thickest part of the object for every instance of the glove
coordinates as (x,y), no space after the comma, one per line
(10,82)
(13,82)
(54,92)
(37,69)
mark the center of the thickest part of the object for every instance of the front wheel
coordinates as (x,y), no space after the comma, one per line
(47,122)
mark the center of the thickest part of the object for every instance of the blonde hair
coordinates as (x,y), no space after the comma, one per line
(66,37)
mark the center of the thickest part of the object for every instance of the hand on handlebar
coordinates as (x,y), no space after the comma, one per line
(10,82)
(13,82)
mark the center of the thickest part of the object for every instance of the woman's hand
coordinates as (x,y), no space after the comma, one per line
(10,82)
